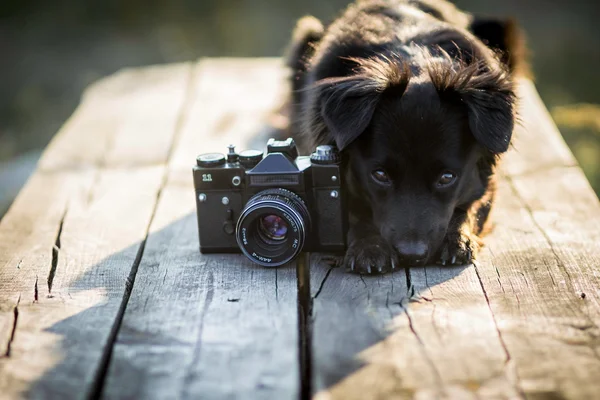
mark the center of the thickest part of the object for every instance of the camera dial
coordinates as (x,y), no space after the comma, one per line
(250,158)
(325,154)
(208,160)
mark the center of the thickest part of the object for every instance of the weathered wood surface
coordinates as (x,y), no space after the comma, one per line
(208,326)
(107,223)
(522,322)
(68,243)
(112,198)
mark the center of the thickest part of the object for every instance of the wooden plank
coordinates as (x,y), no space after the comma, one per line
(209,326)
(27,238)
(515,325)
(204,326)
(535,291)
(377,337)
(122,121)
(71,239)
(352,318)
(234,110)
(450,314)
(540,271)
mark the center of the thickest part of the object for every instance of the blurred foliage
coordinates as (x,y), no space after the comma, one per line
(580,125)
(53,50)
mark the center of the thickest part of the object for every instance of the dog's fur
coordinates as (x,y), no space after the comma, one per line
(415,88)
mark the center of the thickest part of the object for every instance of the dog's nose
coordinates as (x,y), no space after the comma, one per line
(412,252)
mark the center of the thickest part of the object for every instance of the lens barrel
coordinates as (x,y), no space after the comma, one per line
(272,227)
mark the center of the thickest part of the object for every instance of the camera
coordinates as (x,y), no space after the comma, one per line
(270,206)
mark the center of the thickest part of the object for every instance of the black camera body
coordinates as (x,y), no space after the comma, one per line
(270,207)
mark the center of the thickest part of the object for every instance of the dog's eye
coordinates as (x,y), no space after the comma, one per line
(446,179)
(381,177)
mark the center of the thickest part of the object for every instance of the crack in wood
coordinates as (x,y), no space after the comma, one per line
(55,253)
(402,300)
(434,324)
(413,296)
(408,279)
(436,372)
(165,276)
(13,331)
(554,285)
(509,367)
(387,304)
(97,385)
(276,287)
(322,284)
(497,271)
(35,290)
(100,377)
(305,323)
(362,279)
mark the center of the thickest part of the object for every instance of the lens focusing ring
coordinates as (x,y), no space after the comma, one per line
(285,204)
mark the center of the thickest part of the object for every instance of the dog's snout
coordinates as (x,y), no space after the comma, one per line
(413,252)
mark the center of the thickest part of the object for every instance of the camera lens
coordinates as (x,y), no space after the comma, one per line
(271,229)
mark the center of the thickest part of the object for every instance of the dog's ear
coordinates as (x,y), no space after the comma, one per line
(347,106)
(347,103)
(488,93)
(491,116)
(308,31)
(505,37)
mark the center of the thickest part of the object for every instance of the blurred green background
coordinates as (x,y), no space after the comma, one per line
(51,50)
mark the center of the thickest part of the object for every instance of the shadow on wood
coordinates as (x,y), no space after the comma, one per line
(193,325)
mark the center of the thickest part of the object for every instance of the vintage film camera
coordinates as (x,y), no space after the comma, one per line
(270,207)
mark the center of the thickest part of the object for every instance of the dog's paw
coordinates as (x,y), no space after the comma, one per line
(370,255)
(458,249)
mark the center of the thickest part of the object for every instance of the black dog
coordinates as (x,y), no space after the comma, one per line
(419,98)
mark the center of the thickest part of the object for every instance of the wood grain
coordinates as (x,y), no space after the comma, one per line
(377,337)
(540,269)
(209,326)
(71,239)
(549,330)
(355,345)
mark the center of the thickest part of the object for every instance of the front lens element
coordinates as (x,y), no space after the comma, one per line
(272,227)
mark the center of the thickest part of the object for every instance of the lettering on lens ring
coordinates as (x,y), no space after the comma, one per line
(261,258)
(244,236)
(290,220)
(295,244)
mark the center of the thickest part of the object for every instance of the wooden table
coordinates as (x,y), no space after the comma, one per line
(103,293)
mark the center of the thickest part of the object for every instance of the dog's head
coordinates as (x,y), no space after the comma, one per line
(416,139)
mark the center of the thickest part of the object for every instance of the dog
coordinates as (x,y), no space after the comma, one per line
(419,98)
